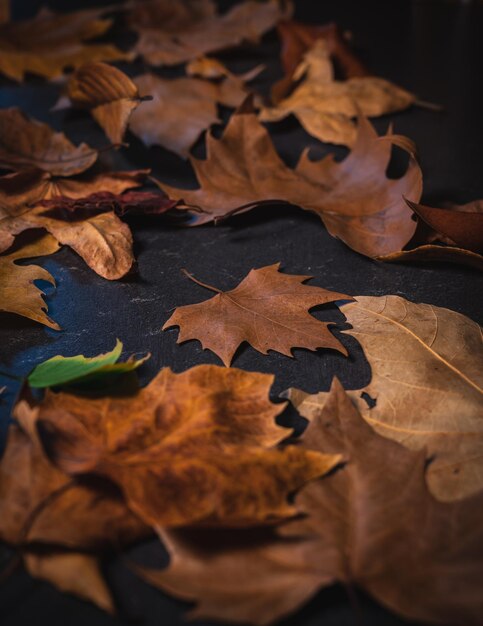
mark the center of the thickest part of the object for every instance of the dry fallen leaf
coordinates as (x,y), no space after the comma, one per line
(427,382)
(182,109)
(49,43)
(354,198)
(107,93)
(18,293)
(268,310)
(436,254)
(296,38)
(371,523)
(27,144)
(325,106)
(103,241)
(196,447)
(171,33)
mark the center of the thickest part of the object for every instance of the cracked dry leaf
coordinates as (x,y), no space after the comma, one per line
(172,33)
(325,106)
(28,144)
(103,240)
(18,293)
(268,310)
(196,447)
(109,95)
(427,380)
(354,198)
(49,43)
(372,523)
(182,108)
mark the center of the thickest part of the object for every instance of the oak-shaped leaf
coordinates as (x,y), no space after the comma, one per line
(427,384)
(182,108)
(80,370)
(268,310)
(18,292)
(172,33)
(325,107)
(49,43)
(102,239)
(27,144)
(371,523)
(109,95)
(355,199)
(196,447)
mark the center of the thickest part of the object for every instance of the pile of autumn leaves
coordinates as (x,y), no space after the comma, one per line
(386,497)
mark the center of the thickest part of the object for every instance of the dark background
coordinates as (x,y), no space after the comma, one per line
(430,48)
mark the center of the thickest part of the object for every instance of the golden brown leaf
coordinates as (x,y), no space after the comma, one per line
(103,241)
(268,310)
(196,447)
(171,33)
(39,504)
(435,254)
(354,198)
(108,93)
(72,572)
(427,382)
(18,293)
(48,43)
(371,523)
(182,109)
(325,106)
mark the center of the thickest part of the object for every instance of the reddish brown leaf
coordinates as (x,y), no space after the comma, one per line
(436,254)
(372,523)
(268,310)
(196,447)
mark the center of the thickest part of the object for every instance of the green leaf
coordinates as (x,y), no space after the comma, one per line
(60,370)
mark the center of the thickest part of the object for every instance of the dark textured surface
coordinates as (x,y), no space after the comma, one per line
(429,48)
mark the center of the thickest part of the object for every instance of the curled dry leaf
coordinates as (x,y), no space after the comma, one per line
(103,241)
(371,523)
(354,198)
(171,33)
(196,447)
(27,144)
(437,254)
(18,293)
(48,43)
(325,106)
(427,382)
(182,109)
(108,94)
(268,310)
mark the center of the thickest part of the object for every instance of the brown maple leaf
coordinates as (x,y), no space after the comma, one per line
(129,202)
(103,241)
(48,43)
(296,38)
(109,95)
(172,33)
(325,106)
(44,512)
(372,523)
(182,108)
(354,198)
(427,384)
(268,310)
(18,293)
(27,144)
(196,447)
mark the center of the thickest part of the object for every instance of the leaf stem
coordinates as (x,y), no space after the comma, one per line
(198,282)
(354,602)
(431,106)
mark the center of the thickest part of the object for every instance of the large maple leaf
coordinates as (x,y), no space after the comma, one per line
(371,523)
(354,198)
(49,43)
(196,447)
(268,309)
(102,240)
(427,385)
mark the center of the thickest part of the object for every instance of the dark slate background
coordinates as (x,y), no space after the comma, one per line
(432,49)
